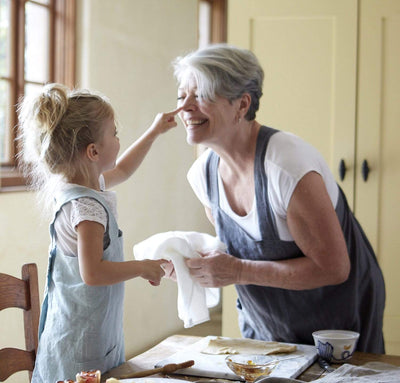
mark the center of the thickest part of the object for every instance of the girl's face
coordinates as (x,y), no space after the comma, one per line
(206,122)
(108,146)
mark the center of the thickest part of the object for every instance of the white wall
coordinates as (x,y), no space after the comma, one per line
(125,48)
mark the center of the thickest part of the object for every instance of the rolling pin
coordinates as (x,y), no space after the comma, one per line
(167,369)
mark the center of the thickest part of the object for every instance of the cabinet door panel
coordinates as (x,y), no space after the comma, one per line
(377,203)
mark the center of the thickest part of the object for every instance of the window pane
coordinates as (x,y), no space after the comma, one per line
(32,89)
(46,2)
(36,43)
(4,128)
(4,37)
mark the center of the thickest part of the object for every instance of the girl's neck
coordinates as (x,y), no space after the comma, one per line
(89,182)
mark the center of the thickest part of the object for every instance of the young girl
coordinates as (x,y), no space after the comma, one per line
(70,146)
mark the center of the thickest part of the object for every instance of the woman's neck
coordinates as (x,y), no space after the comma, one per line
(238,150)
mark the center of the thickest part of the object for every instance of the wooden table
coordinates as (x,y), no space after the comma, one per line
(175,343)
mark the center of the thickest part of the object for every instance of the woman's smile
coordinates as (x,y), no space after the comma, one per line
(195,122)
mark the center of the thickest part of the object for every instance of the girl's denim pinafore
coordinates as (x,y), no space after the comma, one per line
(269,313)
(81,326)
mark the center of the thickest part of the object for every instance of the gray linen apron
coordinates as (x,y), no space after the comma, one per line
(81,326)
(269,313)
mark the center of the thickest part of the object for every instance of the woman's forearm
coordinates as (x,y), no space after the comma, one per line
(293,274)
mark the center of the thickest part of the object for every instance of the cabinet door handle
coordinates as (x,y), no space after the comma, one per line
(342,169)
(365,170)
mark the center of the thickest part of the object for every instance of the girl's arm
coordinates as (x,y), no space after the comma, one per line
(131,159)
(97,272)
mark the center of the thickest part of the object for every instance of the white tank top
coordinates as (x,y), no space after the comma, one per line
(287,160)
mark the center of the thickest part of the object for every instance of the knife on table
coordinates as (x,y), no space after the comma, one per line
(325,365)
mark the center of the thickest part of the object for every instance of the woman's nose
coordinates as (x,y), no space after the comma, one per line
(189,103)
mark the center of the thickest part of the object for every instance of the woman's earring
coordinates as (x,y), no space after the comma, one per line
(240,120)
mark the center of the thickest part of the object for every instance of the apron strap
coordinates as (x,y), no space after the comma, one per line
(212,178)
(266,218)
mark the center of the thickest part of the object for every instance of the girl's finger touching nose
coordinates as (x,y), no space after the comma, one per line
(171,115)
(176,111)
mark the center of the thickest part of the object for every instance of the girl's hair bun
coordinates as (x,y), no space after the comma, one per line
(51,106)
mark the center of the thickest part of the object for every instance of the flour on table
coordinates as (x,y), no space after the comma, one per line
(220,345)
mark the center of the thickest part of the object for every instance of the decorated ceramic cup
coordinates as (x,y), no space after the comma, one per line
(335,346)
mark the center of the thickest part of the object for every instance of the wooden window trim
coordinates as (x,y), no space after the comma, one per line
(218,20)
(62,69)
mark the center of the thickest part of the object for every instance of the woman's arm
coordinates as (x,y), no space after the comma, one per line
(315,228)
(131,159)
(97,272)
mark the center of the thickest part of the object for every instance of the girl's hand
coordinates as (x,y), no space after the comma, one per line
(152,270)
(169,270)
(215,269)
(164,121)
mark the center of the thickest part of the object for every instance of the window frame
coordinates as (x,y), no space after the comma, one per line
(62,69)
(218,27)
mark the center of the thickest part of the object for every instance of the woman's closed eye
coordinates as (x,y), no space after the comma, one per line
(183,97)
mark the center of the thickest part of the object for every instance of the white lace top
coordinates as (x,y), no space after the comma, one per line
(76,211)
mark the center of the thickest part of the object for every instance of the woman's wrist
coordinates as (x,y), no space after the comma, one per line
(242,272)
(247,272)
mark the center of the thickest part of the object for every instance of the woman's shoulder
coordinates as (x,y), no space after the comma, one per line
(288,159)
(197,177)
(199,165)
(291,153)
(283,140)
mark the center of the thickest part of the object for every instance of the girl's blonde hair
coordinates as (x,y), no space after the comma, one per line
(55,128)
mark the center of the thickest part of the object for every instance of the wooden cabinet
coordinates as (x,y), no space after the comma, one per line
(332,76)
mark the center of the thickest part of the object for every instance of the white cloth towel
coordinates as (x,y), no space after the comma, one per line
(371,372)
(193,299)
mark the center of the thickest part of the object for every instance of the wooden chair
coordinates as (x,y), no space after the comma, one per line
(21,293)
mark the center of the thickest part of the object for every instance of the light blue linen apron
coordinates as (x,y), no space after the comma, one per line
(81,326)
(269,313)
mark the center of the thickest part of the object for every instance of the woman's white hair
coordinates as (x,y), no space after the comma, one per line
(223,70)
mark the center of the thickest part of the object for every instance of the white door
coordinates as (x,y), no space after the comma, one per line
(377,202)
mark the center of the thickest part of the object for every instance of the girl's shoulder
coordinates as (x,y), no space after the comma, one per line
(82,201)
(81,209)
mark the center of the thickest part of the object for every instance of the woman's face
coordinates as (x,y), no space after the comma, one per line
(206,122)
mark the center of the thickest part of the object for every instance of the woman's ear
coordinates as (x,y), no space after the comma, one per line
(91,152)
(245,103)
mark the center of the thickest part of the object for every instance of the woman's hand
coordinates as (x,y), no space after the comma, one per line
(215,269)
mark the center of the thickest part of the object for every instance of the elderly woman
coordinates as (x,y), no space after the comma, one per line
(298,257)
